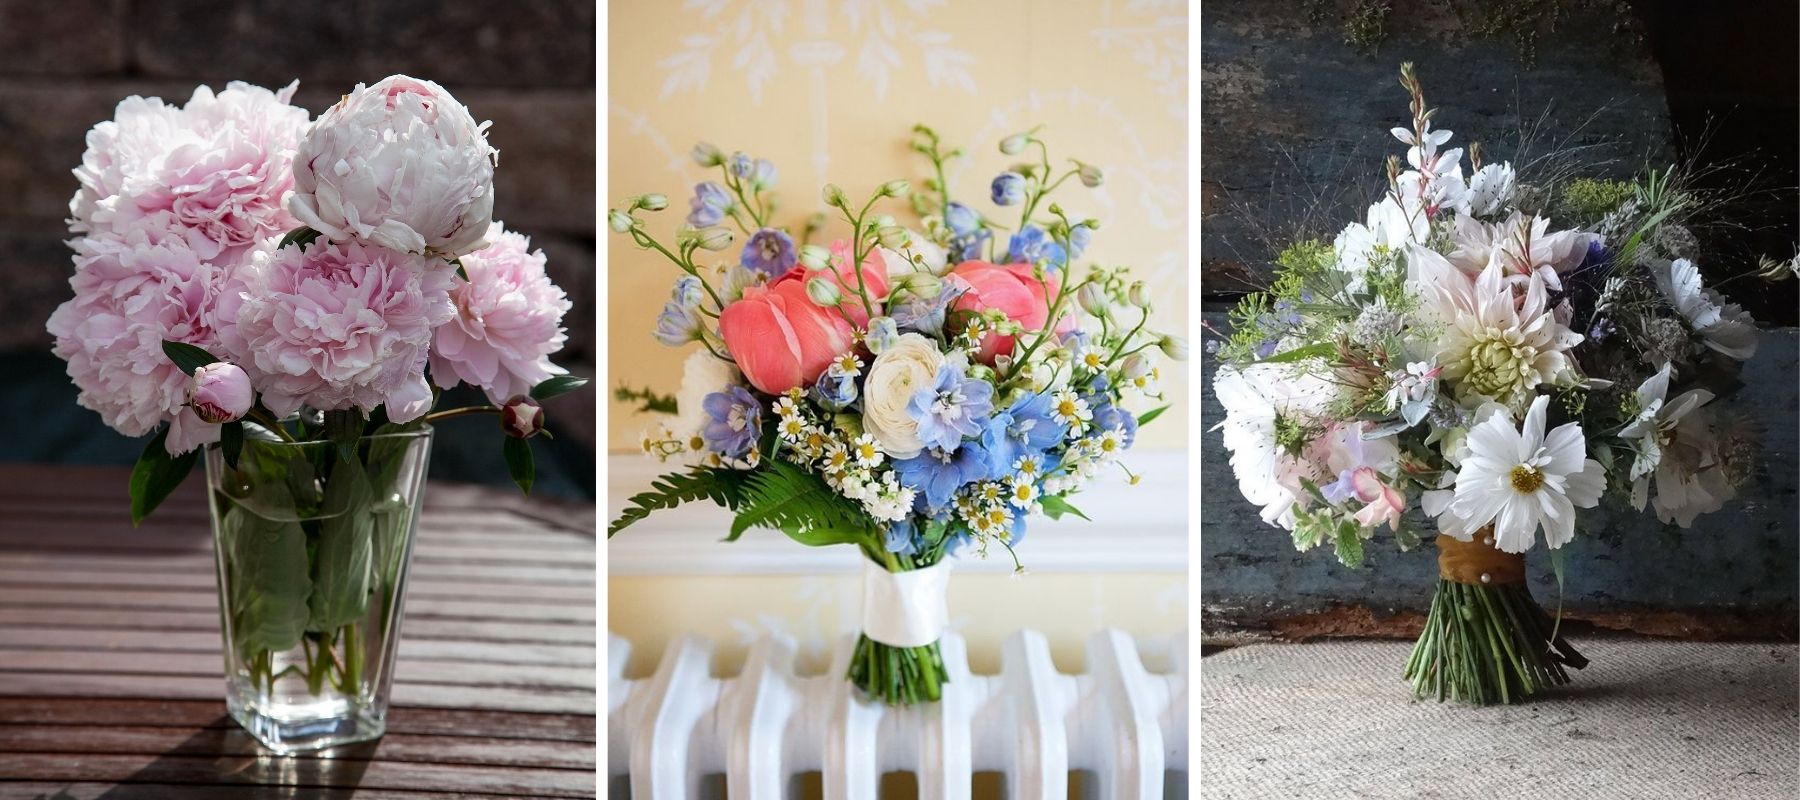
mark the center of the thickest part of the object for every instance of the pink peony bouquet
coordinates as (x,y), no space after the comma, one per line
(246,272)
(911,392)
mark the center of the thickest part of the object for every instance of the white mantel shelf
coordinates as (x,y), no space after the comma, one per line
(1142,528)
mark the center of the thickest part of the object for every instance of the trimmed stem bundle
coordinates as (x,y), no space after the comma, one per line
(898,676)
(1486,640)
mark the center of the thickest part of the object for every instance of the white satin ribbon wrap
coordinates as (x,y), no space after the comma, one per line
(904,609)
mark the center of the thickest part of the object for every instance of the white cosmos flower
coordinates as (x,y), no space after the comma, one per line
(1655,426)
(1265,405)
(1493,343)
(1676,444)
(1723,326)
(1520,480)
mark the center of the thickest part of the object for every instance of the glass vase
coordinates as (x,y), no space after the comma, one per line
(312,541)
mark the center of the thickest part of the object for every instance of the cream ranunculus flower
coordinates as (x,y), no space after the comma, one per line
(401,164)
(898,373)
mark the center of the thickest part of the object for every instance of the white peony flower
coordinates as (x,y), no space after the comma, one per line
(1493,344)
(901,370)
(1723,326)
(1520,480)
(401,164)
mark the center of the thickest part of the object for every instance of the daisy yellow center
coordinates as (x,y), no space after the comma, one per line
(1065,408)
(1525,480)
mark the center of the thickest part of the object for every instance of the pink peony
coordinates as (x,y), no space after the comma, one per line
(508,321)
(213,174)
(780,338)
(220,392)
(1011,288)
(130,295)
(401,164)
(337,325)
(874,280)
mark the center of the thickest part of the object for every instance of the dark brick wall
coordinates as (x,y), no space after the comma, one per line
(64,65)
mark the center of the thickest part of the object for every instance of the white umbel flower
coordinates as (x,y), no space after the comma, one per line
(401,164)
(1520,480)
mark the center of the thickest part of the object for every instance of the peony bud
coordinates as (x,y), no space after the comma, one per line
(220,392)
(832,195)
(1092,299)
(707,155)
(1138,295)
(714,237)
(1014,144)
(895,188)
(1173,346)
(618,220)
(522,417)
(814,257)
(893,237)
(1092,176)
(824,292)
(653,202)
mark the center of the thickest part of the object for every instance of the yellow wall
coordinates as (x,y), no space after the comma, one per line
(1107,77)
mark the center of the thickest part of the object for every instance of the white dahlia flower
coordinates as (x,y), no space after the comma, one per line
(1492,344)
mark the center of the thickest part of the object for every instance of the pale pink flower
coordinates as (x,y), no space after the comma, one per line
(337,325)
(130,295)
(213,174)
(220,392)
(401,164)
(508,321)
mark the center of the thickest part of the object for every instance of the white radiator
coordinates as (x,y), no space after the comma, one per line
(765,726)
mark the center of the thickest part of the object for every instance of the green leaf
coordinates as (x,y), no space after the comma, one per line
(1055,507)
(518,462)
(187,357)
(647,400)
(267,580)
(553,386)
(156,475)
(1319,350)
(1149,416)
(231,441)
(724,487)
(342,567)
(461,272)
(801,505)
(1349,546)
(343,428)
(301,236)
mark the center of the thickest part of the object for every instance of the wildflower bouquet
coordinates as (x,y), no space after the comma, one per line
(290,295)
(906,392)
(1456,349)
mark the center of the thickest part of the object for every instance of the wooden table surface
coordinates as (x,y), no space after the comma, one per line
(111,681)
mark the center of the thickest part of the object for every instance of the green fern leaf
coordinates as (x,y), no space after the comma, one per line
(724,487)
(800,504)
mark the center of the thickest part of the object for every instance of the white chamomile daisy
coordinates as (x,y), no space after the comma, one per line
(1093,358)
(867,452)
(1109,443)
(1070,410)
(848,365)
(1024,493)
(791,429)
(837,459)
(1028,466)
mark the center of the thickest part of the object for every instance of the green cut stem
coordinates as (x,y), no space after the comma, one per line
(1488,644)
(898,676)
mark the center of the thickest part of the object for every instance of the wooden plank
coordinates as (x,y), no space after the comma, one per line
(211,714)
(202,564)
(138,662)
(301,773)
(27,601)
(52,539)
(85,790)
(411,647)
(232,741)
(416,586)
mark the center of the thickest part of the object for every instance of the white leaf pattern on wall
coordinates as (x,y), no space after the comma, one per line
(1156,39)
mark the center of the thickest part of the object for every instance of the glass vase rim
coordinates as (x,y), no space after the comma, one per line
(421,432)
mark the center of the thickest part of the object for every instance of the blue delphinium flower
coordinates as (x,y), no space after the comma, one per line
(960,219)
(1032,245)
(1079,238)
(679,322)
(734,419)
(901,537)
(709,204)
(1107,415)
(925,314)
(762,174)
(950,409)
(1028,426)
(883,333)
(969,247)
(741,165)
(835,392)
(770,251)
(936,473)
(1017,532)
(1008,189)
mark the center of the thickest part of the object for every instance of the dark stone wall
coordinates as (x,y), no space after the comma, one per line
(528,66)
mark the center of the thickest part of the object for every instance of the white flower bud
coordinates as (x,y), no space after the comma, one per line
(832,195)
(653,202)
(1173,346)
(707,155)
(713,237)
(893,237)
(824,292)
(1138,295)
(1135,366)
(618,220)
(1092,299)
(814,257)
(1014,144)
(895,188)
(1092,176)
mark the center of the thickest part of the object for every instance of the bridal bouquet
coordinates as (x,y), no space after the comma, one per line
(290,295)
(1506,354)
(907,392)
